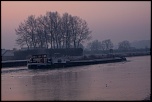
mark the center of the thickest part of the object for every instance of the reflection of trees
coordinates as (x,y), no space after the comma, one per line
(79,83)
(58,86)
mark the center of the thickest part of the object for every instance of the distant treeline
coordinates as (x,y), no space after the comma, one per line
(107,45)
(130,52)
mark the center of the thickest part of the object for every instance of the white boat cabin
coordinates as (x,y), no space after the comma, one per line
(42,58)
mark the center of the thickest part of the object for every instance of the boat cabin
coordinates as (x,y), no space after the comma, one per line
(41,58)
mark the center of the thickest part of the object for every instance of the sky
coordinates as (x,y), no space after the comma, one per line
(115,20)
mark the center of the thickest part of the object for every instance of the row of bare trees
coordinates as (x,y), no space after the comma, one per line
(97,45)
(52,31)
(107,45)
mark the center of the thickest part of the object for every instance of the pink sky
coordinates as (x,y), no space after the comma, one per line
(116,20)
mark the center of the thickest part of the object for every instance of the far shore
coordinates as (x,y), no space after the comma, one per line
(98,56)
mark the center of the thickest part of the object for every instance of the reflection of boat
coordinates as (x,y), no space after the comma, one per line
(58,61)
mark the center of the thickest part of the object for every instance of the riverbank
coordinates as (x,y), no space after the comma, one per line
(17,63)
(102,56)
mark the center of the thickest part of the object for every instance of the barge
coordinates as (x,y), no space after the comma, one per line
(42,61)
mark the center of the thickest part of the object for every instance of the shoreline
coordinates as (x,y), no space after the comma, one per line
(17,63)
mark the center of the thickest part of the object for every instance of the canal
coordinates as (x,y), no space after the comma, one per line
(128,80)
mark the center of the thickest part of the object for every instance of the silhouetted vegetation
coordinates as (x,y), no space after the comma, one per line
(124,46)
(98,48)
(96,45)
(52,31)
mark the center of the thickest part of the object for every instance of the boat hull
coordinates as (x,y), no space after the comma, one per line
(38,65)
(74,63)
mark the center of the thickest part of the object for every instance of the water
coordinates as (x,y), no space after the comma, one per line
(113,81)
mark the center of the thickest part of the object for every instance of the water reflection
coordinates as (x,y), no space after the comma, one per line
(61,86)
(54,86)
(113,81)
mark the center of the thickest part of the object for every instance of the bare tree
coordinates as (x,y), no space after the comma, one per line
(75,31)
(107,44)
(66,30)
(94,45)
(52,29)
(103,46)
(42,35)
(53,26)
(22,39)
(83,32)
(56,28)
(31,30)
(26,32)
(124,45)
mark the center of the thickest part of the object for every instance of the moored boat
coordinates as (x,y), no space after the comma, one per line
(42,61)
(57,61)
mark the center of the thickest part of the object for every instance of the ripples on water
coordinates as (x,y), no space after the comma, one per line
(128,80)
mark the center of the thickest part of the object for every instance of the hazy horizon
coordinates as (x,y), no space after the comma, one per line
(115,20)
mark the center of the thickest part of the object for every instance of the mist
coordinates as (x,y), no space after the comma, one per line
(115,20)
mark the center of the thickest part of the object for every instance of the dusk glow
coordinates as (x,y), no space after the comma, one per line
(115,20)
